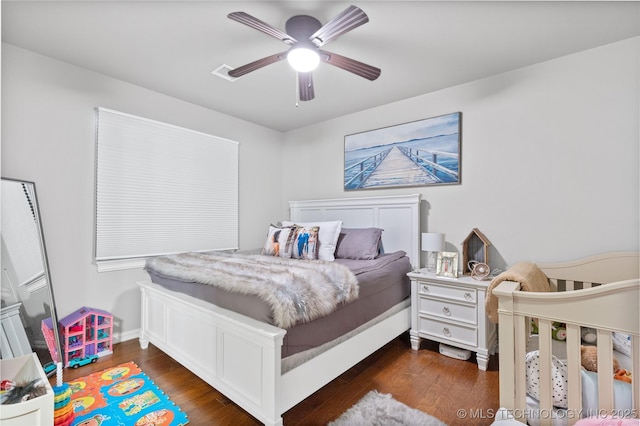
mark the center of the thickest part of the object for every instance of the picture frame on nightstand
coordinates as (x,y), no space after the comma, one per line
(447,264)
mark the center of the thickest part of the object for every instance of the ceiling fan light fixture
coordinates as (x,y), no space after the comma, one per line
(303,59)
(306,36)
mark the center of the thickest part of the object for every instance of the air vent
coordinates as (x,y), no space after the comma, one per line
(222,72)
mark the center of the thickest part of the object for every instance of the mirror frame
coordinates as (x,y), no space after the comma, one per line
(45,264)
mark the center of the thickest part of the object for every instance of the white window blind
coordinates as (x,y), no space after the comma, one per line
(162,189)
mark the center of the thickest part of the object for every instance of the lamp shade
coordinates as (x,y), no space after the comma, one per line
(432,241)
(303,59)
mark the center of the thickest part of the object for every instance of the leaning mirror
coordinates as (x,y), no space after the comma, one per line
(27,295)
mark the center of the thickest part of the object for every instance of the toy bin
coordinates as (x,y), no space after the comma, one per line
(36,411)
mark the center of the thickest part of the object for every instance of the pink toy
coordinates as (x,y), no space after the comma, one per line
(83,333)
(47,331)
(607,421)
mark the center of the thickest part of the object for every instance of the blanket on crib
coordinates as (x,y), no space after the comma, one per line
(296,290)
(527,274)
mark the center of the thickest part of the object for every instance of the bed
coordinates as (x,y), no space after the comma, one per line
(600,292)
(243,356)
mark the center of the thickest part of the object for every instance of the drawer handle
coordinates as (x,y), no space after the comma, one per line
(446,331)
(468,296)
(446,311)
(425,288)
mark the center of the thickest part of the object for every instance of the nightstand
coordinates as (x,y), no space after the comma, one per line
(452,311)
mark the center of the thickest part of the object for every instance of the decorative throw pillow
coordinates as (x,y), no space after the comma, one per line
(279,241)
(305,244)
(559,378)
(328,236)
(358,243)
(622,342)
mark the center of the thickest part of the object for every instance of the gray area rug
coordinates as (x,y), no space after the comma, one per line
(382,410)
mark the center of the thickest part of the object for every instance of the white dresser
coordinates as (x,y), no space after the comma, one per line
(452,311)
(13,339)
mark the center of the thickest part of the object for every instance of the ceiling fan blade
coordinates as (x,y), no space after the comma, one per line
(245,18)
(359,68)
(252,66)
(305,86)
(350,18)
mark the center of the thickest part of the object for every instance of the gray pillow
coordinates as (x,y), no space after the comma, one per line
(358,243)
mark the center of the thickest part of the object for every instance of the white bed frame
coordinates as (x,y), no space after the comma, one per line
(613,306)
(240,356)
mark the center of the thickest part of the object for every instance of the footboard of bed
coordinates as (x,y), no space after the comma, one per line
(237,355)
(607,308)
(241,357)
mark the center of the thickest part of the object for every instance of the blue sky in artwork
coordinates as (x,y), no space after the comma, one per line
(443,125)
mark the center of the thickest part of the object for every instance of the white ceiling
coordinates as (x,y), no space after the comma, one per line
(421,46)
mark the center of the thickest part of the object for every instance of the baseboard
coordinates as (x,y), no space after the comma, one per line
(129,335)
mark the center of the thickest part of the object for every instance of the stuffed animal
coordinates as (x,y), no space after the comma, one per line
(558,331)
(589,358)
(623,375)
(589,335)
(24,391)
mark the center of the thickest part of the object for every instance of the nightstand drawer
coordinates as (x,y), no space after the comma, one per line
(447,331)
(449,310)
(447,292)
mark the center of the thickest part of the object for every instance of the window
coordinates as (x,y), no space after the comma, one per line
(161,189)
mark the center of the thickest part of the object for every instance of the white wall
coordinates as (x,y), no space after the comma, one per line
(549,157)
(48,137)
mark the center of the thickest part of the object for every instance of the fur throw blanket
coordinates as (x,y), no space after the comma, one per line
(530,277)
(296,290)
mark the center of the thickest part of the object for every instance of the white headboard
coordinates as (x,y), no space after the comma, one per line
(398,215)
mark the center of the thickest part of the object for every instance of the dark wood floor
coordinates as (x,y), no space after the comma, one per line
(423,379)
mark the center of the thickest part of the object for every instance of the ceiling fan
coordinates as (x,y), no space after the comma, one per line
(306,35)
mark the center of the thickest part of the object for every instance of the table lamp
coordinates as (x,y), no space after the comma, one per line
(432,243)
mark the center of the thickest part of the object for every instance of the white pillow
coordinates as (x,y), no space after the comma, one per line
(559,375)
(622,343)
(622,395)
(327,236)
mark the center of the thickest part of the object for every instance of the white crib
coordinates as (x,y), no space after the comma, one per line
(602,292)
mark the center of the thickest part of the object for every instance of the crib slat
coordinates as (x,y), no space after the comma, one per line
(574,377)
(546,383)
(511,398)
(507,357)
(605,370)
(635,381)
(520,374)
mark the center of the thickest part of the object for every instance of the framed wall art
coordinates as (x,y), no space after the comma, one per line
(423,152)
(447,264)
